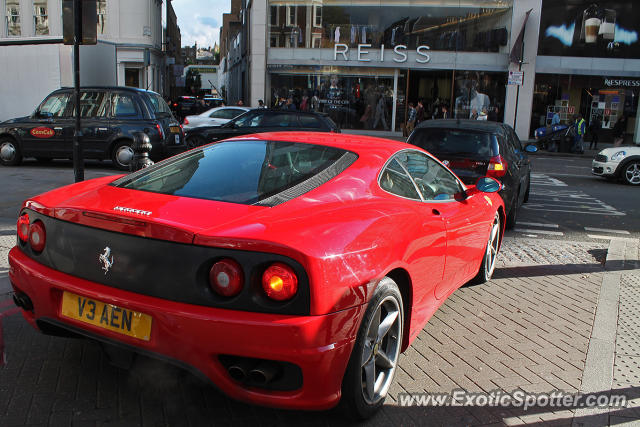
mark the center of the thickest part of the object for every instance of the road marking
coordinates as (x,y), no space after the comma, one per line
(542,179)
(625,239)
(536,224)
(528,230)
(606,230)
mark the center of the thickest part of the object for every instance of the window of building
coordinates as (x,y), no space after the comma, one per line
(317,16)
(273,15)
(102,16)
(291,15)
(40,18)
(13,18)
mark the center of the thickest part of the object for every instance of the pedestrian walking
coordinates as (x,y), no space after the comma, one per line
(594,128)
(419,112)
(579,126)
(411,121)
(619,129)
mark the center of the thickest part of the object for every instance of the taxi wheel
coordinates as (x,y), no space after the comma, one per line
(488,265)
(374,358)
(10,154)
(122,155)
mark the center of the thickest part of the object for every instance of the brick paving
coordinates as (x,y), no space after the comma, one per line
(528,328)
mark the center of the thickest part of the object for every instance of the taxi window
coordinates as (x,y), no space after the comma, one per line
(123,105)
(56,105)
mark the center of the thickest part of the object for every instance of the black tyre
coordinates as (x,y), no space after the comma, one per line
(374,358)
(631,173)
(512,214)
(526,193)
(10,154)
(194,141)
(121,155)
(488,264)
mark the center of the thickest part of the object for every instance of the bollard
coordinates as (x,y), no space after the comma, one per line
(141,147)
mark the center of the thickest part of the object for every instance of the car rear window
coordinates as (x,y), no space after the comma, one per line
(159,105)
(461,142)
(309,121)
(245,172)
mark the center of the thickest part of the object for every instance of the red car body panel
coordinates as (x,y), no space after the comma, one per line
(347,234)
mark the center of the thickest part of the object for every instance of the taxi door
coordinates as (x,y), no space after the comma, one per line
(48,132)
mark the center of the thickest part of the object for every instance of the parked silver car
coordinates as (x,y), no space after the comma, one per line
(213,117)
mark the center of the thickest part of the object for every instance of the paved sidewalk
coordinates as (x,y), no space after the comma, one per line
(529,328)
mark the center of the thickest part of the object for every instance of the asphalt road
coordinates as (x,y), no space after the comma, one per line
(567,202)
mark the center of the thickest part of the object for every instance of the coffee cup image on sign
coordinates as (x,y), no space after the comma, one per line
(608,25)
(591,20)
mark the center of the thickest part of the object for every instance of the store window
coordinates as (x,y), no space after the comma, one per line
(353,98)
(13,18)
(102,16)
(479,95)
(40,18)
(600,100)
(449,25)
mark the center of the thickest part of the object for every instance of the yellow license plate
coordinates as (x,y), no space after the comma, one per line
(174,129)
(106,316)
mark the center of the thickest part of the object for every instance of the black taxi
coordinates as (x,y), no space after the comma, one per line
(110,116)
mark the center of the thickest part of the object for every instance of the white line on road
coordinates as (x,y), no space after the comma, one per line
(536,224)
(528,230)
(606,230)
(626,239)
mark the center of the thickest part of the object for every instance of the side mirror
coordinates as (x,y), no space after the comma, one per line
(530,148)
(488,185)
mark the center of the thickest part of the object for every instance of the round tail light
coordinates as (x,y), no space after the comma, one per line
(279,282)
(37,236)
(23,227)
(225,278)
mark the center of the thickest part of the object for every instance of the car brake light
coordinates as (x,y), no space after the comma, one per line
(279,282)
(160,133)
(37,236)
(23,227)
(225,277)
(186,121)
(497,167)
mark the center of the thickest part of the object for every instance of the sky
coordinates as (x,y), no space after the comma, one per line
(200,20)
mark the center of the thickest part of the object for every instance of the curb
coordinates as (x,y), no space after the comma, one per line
(597,376)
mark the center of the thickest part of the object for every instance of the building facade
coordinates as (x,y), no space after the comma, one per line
(363,62)
(34,61)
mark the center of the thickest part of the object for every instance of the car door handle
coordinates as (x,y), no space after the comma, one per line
(102,129)
(57,128)
(435,211)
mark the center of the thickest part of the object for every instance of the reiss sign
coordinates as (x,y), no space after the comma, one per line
(365,55)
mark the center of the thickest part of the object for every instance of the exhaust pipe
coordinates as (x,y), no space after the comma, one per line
(264,373)
(240,370)
(23,301)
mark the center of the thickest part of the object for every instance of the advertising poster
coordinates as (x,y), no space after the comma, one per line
(608,29)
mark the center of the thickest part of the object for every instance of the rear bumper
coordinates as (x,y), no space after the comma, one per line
(196,336)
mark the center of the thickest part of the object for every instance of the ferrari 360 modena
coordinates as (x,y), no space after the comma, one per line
(289,269)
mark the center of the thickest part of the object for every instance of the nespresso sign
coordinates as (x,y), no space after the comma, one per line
(621,83)
(364,54)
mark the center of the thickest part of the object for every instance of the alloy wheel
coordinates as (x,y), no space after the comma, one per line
(381,350)
(492,248)
(632,173)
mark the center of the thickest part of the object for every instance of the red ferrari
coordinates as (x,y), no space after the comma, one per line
(290,269)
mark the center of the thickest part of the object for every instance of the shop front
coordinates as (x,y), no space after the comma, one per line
(588,64)
(362,63)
